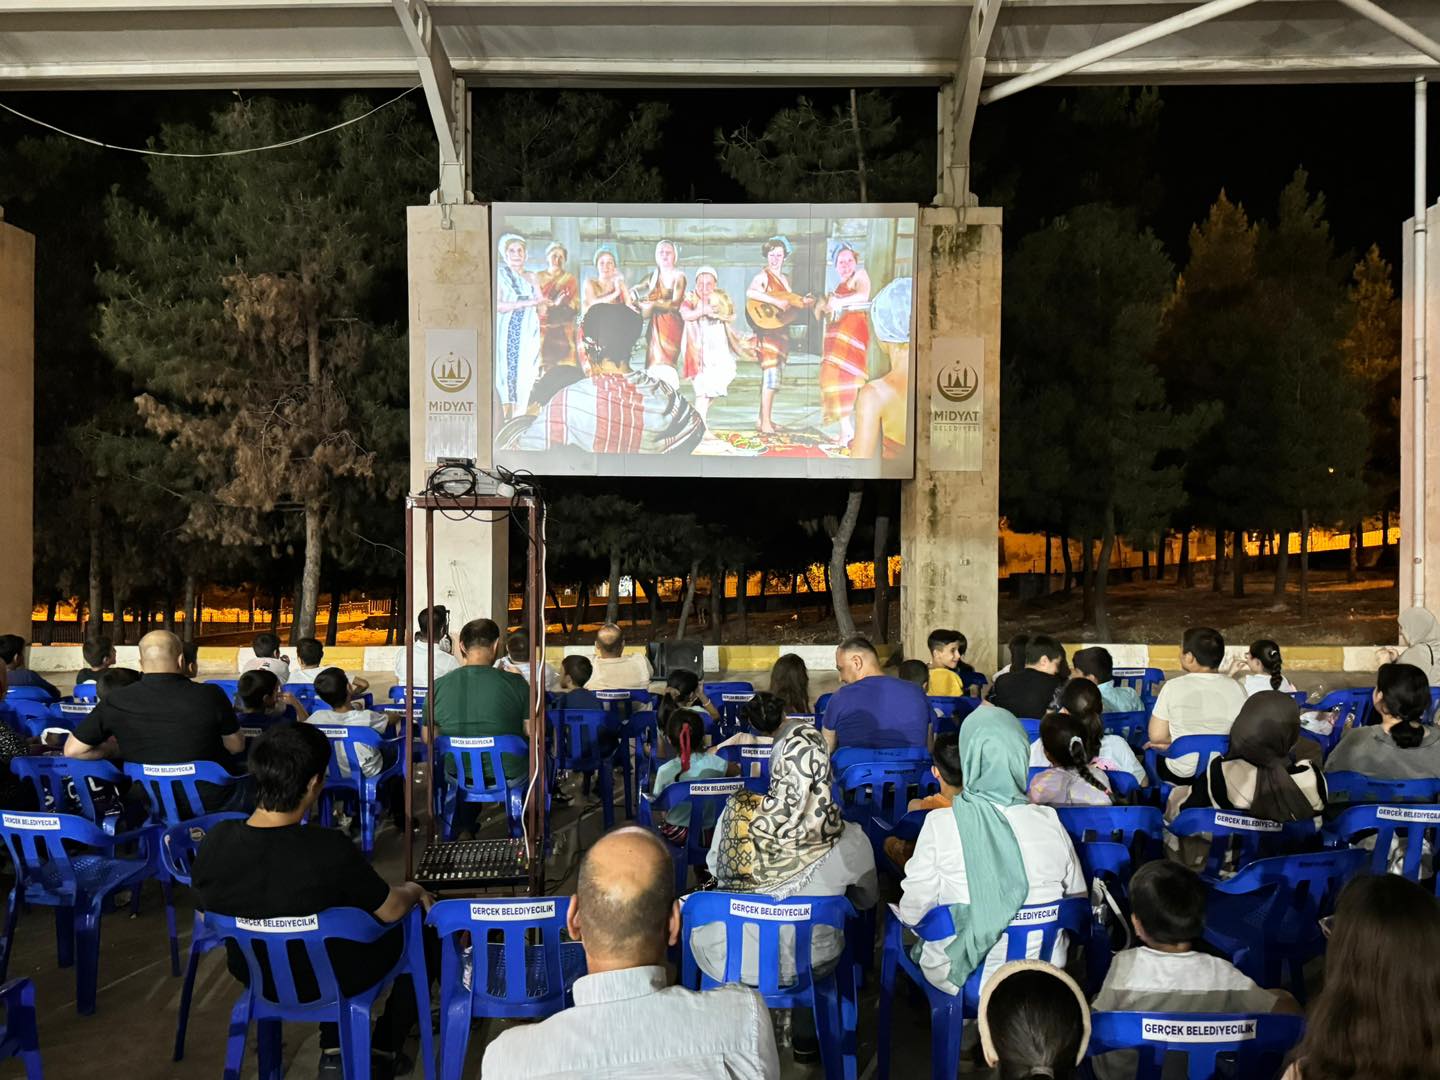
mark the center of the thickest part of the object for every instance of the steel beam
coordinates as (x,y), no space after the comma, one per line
(1401,29)
(959,105)
(447,98)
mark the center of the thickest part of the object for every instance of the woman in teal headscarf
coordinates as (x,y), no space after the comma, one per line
(988,855)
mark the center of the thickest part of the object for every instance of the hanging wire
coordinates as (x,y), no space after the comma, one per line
(214,153)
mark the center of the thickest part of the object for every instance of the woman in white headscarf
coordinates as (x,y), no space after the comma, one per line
(517,326)
(880,407)
(710,345)
(1420,631)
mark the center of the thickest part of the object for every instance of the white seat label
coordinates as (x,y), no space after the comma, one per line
(1049,913)
(736,697)
(539,909)
(758,752)
(288,925)
(252,732)
(1250,824)
(187,769)
(773,912)
(1407,813)
(335,732)
(472,742)
(47,822)
(1197,1031)
(723,787)
(613,695)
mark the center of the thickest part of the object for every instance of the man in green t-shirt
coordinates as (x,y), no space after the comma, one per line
(478,699)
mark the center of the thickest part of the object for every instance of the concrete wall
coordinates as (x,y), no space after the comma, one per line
(949,518)
(449,270)
(17,433)
(1432,422)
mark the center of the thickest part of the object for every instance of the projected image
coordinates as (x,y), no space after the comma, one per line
(725,341)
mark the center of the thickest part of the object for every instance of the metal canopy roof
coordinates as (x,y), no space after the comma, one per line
(146,44)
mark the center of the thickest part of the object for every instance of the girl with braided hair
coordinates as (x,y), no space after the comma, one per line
(685,730)
(1400,746)
(1070,745)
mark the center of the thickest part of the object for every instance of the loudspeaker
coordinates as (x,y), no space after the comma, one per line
(668,656)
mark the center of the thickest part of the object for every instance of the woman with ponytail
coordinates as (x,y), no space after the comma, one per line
(1034,1022)
(1262,669)
(1401,746)
(686,732)
(1070,746)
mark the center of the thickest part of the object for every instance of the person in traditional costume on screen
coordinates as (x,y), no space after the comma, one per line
(608,286)
(710,346)
(561,290)
(659,297)
(772,345)
(844,365)
(517,326)
(882,404)
(617,410)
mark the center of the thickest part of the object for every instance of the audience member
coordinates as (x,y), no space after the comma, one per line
(945,649)
(1031,692)
(1199,702)
(686,733)
(190,660)
(270,866)
(1375,1017)
(1401,746)
(788,842)
(1033,1022)
(263,697)
(309,656)
(432,639)
(268,657)
(164,719)
(332,686)
(1015,655)
(478,699)
(790,682)
(915,671)
(12,654)
(613,669)
(945,768)
(518,661)
(686,690)
(112,679)
(1070,746)
(99,655)
(1096,664)
(575,692)
(872,709)
(762,718)
(1420,633)
(988,855)
(625,1020)
(1081,699)
(1262,669)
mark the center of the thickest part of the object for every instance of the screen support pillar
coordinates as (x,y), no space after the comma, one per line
(950,511)
(17,434)
(1419,444)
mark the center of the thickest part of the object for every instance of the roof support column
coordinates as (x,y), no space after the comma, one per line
(447,98)
(958,103)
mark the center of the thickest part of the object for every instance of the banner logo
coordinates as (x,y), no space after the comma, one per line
(451,373)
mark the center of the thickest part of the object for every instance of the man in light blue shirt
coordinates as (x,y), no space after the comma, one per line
(1096,664)
(626,1022)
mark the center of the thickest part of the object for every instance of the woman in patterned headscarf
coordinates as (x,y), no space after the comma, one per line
(791,841)
(517,326)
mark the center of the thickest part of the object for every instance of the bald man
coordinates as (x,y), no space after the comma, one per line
(611,668)
(164,719)
(626,1022)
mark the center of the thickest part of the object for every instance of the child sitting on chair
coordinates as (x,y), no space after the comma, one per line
(1071,779)
(575,673)
(686,733)
(946,647)
(915,671)
(332,686)
(945,767)
(263,698)
(763,715)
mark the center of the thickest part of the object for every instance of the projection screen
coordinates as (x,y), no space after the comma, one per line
(684,340)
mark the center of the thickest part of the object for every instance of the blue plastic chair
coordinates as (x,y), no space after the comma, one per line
(1144,681)
(729,698)
(86,691)
(230,686)
(1122,783)
(1206,746)
(1031,726)
(882,789)
(1133,727)
(76,884)
(271,938)
(878,831)
(761,918)
(479,776)
(63,786)
(178,847)
(30,717)
(304,693)
(174,790)
(1238,839)
(1353,707)
(72,712)
(948,713)
(29,693)
(1256,1044)
(515,976)
(1354,787)
(846,756)
(974,683)
(579,749)
(20,1037)
(706,799)
(1268,915)
(1112,841)
(821,704)
(754,760)
(947,1012)
(1413,826)
(346,781)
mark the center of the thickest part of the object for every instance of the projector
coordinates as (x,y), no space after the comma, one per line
(459,477)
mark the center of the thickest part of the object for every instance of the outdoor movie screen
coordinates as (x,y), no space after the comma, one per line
(704,340)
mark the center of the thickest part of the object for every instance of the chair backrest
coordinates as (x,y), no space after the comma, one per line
(1238,839)
(397,693)
(883,789)
(60,784)
(1031,726)
(86,691)
(974,683)
(729,698)
(28,693)
(180,843)
(1353,707)
(577,737)
(527,977)
(1303,890)
(947,713)
(304,693)
(1205,746)
(32,717)
(174,790)
(739,911)
(1256,1043)
(345,743)
(1354,787)
(821,704)
(230,686)
(479,769)
(1112,841)
(1417,826)
(1133,727)
(754,760)
(1144,681)
(706,799)
(1122,783)
(846,756)
(272,938)
(36,843)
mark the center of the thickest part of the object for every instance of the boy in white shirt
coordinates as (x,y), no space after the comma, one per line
(333,688)
(1200,702)
(310,654)
(517,661)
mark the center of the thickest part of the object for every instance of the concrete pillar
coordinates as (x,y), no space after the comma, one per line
(1432,422)
(949,514)
(17,433)
(451,407)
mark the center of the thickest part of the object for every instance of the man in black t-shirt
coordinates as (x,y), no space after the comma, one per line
(270,866)
(1030,693)
(164,719)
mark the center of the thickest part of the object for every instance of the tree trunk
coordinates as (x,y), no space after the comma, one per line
(742,601)
(1087,579)
(652,598)
(840,534)
(582,610)
(334,626)
(1219,570)
(1160,557)
(190,632)
(1067,562)
(880,606)
(1282,564)
(170,605)
(717,605)
(1049,561)
(253,592)
(1184,571)
(304,624)
(859,146)
(119,597)
(1145,564)
(1384,533)
(394,634)
(96,624)
(559,611)
(1100,621)
(689,602)
(1237,588)
(612,589)
(1352,572)
(275,605)
(1304,562)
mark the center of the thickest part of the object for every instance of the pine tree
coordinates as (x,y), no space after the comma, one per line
(1371,348)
